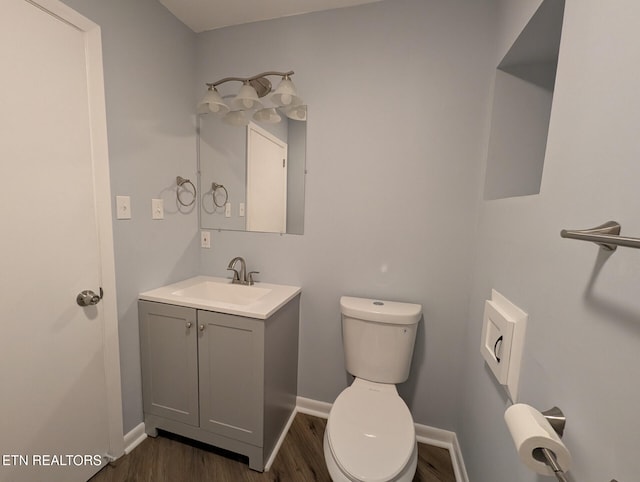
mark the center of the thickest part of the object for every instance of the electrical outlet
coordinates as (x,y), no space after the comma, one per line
(205,239)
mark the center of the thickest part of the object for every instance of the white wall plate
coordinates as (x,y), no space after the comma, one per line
(503,331)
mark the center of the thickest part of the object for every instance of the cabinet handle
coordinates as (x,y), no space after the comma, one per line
(188,324)
(201,327)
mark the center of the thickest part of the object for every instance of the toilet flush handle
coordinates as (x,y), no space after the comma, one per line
(495,349)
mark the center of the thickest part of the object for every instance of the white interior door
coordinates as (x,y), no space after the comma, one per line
(266,181)
(57,418)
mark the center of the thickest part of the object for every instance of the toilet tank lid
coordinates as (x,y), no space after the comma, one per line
(393,312)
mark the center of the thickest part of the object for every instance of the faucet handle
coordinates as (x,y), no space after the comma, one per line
(250,276)
(236,276)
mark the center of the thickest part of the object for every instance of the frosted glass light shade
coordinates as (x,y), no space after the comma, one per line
(268,115)
(286,94)
(246,99)
(212,102)
(236,118)
(296,112)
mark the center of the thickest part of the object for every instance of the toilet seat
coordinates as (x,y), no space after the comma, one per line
(370,432)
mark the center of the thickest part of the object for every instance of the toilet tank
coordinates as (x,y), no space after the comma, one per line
(378,338)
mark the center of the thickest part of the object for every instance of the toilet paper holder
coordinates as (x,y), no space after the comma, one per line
(557,420)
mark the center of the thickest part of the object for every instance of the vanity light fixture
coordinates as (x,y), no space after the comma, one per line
(286,95)
(236,118)
(247,98)
(212,102)
(296,112)
(285,100)
(269,115)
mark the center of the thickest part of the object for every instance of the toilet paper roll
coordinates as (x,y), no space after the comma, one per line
(530,431)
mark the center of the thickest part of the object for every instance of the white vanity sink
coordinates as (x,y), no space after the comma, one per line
(223,292)
(218,294)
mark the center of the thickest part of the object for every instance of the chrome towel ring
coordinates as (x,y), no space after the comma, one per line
(180,181)
(214,187)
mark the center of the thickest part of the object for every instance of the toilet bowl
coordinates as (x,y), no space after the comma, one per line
(370,435)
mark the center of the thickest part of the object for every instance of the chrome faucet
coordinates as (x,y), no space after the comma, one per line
(242,277)
(238,278)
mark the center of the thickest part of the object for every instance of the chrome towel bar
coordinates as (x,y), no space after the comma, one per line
(606,235)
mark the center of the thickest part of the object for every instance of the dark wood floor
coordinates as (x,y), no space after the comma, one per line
(300,459)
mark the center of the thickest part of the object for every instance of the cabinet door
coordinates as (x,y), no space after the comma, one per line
(169,359)
(231,357)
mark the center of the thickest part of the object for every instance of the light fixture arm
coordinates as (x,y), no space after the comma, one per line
(248,79)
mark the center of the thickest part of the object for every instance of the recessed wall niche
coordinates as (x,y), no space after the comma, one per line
(522,98)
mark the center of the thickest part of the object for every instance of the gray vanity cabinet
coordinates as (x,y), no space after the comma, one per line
(169,349)
(222,379)
(231,377)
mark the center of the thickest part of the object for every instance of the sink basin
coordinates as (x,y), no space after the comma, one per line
(219,294)
(224,292)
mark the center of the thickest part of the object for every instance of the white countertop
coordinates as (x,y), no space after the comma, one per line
(192,293)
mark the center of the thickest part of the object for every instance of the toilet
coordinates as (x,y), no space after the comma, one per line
(370,434)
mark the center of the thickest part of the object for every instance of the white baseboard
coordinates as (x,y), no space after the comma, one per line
(459,469)
(424,434)
(303,405)
(134,437)
(313,407)
(446,440)
(283,435)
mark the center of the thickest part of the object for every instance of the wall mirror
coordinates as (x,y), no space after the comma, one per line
(252,177)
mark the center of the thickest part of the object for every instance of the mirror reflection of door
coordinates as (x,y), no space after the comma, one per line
(266,208)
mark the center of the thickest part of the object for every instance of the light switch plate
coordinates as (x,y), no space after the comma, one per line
(123,207)
(157,209)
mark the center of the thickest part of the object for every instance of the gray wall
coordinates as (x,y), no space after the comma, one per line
(297,145)
(398,95)
(149,66)
(583,337)
(518,140)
